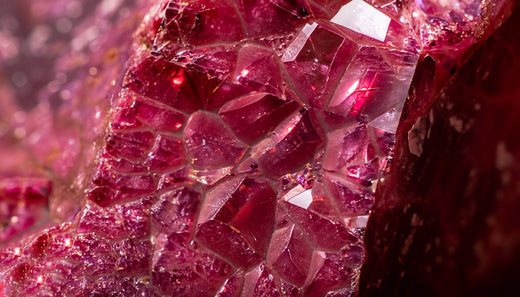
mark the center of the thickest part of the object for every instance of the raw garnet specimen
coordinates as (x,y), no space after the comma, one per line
(241,152)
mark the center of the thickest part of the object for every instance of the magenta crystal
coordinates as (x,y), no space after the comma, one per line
(264,112)
(194,272)
(175,212)
(164,82)
(290,254)
(195,23)
(237,219)
(136,111)
(209,142)
(293,144)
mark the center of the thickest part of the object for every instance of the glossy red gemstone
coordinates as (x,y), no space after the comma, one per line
(237,219)
(209,142)
(264,112)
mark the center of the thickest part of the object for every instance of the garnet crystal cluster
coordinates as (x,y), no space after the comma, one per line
(239,154)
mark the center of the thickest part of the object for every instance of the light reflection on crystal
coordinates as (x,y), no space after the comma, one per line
(299,197)
(291,146)
(210,176)
(244,72)
(357,225)
(292,51)
(319,63)
(359,16)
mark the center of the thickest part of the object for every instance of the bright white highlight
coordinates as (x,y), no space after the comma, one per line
(298,43)
(303,199)
(361,17)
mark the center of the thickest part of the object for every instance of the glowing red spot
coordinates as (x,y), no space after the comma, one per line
(358,104)
(243,74)
(178,81)
(319,199)
(178,125)
(178,78)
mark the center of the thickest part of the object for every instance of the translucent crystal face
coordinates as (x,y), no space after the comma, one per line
(240,156)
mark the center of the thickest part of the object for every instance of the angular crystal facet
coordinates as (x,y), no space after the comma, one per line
(165,82)
(135,111)
(290,254)
(243,211)
(291,145)
(258,67)
(129,145)
(315,60)
(168,152)
(209,142)
(322,232)
(193,271)
(272,18)
(233,286)
(372,87)
(251,117)
(261,282)
(201,22)
(175,211)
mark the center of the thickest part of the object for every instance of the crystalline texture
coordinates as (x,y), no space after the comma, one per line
(264,113)
(235,151)
(243,210)
(209,142)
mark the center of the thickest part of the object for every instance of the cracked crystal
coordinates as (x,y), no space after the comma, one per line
(238,154)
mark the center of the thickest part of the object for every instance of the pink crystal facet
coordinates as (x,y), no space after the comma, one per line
(240,155)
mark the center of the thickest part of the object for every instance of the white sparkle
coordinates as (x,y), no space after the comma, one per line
(298,43)
(302,199)
(361,17)
(17,251)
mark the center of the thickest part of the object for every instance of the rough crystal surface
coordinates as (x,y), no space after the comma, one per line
(224,148)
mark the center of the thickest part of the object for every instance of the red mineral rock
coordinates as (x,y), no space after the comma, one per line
(239,147)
